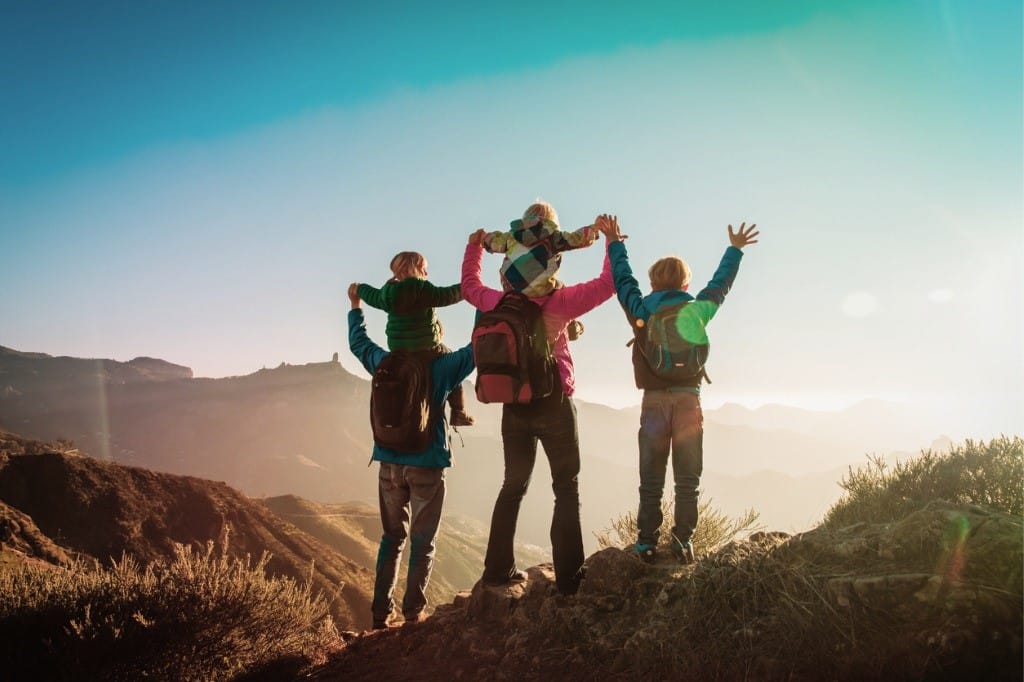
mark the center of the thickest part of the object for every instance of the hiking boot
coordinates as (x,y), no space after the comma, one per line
(460,418)
(647,553)
(383,622)
(414,618)
(514,579)
(682,551)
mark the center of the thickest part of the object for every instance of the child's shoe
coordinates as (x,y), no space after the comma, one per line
(682,551)
(647,553)
(460,418)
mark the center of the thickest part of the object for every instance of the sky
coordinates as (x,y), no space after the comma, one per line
(200,181)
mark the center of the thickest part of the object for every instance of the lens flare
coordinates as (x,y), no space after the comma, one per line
(951,563)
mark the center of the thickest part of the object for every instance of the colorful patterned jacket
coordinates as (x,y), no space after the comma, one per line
(533,253)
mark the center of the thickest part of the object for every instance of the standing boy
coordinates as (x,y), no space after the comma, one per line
(411,487)
(670,414)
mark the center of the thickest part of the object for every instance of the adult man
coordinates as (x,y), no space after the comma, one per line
(411,486)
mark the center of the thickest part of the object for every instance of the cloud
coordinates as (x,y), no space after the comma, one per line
(859,304)
(940,295)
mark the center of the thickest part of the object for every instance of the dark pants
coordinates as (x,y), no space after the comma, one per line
(669,420)
(410,505)
(552,421)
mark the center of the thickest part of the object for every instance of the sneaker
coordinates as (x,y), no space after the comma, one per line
(682,551)
(514,579)
(460,418)
(647,553)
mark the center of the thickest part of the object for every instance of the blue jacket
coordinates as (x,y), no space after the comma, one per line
(447,372)
(698,314)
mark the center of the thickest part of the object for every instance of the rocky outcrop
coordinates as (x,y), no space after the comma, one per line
(936,595)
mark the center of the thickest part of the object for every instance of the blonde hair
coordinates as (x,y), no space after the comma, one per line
(670,272)
(408,264)
(543,210)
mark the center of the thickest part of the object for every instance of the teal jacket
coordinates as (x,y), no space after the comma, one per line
(447,372)
(410,303)
(694,317)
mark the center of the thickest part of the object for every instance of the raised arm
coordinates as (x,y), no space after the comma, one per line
(374,297)
(626,286)
(725,274)
(574,301)
(437,297)
(366,351)
(473,289)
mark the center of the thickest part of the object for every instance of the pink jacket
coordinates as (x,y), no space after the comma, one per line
(559,308)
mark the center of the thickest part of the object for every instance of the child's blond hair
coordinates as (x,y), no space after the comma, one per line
(670,272)
(542,210)
(408,264)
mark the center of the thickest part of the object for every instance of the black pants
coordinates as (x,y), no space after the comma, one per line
(552,421)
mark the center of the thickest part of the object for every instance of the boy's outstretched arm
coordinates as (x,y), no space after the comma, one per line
(725,274)
(374,297)
(431,296)
(626,286)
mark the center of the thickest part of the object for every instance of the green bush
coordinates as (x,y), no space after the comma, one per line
(988,474)
(201,615)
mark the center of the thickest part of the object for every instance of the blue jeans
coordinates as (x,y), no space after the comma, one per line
(669,420)
(410,506)
(552,422)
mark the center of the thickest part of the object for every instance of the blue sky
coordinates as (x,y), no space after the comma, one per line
(198,181)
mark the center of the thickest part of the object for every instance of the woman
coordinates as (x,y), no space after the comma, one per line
(551,420)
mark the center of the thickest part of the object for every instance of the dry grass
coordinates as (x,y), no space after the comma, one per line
(202,615)
(714,528)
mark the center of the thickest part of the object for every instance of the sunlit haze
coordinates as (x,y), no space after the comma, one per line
(200,184)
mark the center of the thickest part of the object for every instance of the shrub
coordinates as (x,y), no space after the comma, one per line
(988,474)
(201,615)
(714,529)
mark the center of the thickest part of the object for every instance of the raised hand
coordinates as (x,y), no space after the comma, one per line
(478,237)
(609,227)
(353,294)
(745,235)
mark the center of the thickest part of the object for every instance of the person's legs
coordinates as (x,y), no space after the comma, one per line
(654,439)
(427,491)
(456,398)
(520,446)
(560,438)
(394,517)
(687,462)
(457,405)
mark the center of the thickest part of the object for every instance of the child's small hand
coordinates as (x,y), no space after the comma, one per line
(353,294)
(745,235)
(478,237)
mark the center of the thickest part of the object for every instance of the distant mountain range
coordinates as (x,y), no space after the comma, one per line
(303,430)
